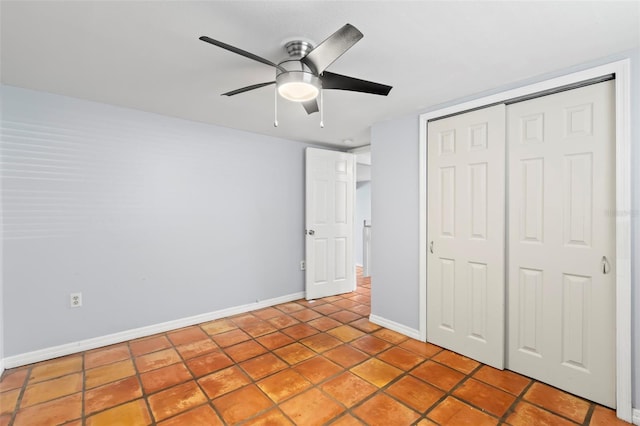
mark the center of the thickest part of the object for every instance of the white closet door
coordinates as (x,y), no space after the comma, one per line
(562,240)
(466,222)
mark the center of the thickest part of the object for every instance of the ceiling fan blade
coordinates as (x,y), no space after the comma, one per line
(246,89)
(240,52)
(342,82)
(332,48)
(311,106)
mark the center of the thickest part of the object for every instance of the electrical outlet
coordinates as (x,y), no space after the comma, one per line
(75,300)
(303,265)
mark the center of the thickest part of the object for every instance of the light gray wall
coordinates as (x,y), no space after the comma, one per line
(395,210)
(394,215)
(151,218)
(363,212)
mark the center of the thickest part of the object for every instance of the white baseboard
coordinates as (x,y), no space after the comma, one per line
(636,416)
(392,325)
(123,336)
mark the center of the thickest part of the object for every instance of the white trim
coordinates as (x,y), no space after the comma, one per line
(392,325)
(621,69)
(123,336)
(636,416)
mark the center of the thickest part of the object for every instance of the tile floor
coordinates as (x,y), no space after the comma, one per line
(303,363)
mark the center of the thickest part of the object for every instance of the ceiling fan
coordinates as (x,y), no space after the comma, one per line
(302,76)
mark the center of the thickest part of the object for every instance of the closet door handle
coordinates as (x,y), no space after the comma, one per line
(431,247)
(606,267)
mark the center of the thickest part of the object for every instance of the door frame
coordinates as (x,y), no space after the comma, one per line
(621,70)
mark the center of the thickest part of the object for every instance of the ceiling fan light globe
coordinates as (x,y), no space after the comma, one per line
(298,86)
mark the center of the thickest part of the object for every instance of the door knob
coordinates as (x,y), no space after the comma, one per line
(431,247)
(311,232)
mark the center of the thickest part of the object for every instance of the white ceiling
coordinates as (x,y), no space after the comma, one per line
(147,56)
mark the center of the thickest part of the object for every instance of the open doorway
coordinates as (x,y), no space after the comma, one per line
(362,222)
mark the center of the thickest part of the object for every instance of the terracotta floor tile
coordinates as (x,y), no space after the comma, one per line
(557,401)
(603,416)
(218,326)
(456,361)
(502,379)
(438,375)
(390,336)
(345,333)
(299,331)
(209,363)
(345,316)
(526,414)
(326,309)
(485,397)
(223,381)
(103,356)
(262,366)
(311,303)
(426,422)
(55,368)
(347,420)
(370,344)
(415,393)
(245,350)
(108,373)
(362,310)
(245,320)
(164,377)
(294,353)
(51,413)
(259,328)
(290,307)
(283,321)
(376,372)
(151,344)
(273,417)
(384,411)
(345,303)
(427,350)
(346,356)
(51,389)
(311,408)
(274,340)
(13,379)
(194,349)
(112,394)
(241,404)
(132,413)
(283,385)
(305,315)
(321,342)
(317,369)
(157,360)
(324,323)
(452,412)
(8,401)
(400,358)
(348,389)
(230,338)
(201,416)
(6,419)
(187,335)
(175,400)
(365,325)
(361,298)
(267,313)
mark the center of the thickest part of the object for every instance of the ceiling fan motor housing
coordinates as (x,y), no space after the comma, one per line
(297,83)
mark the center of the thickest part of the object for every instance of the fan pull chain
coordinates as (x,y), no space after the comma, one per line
(321,108)
(275,107)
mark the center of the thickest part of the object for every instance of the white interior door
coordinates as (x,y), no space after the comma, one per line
(330,199)
(562,240)
(466,222)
